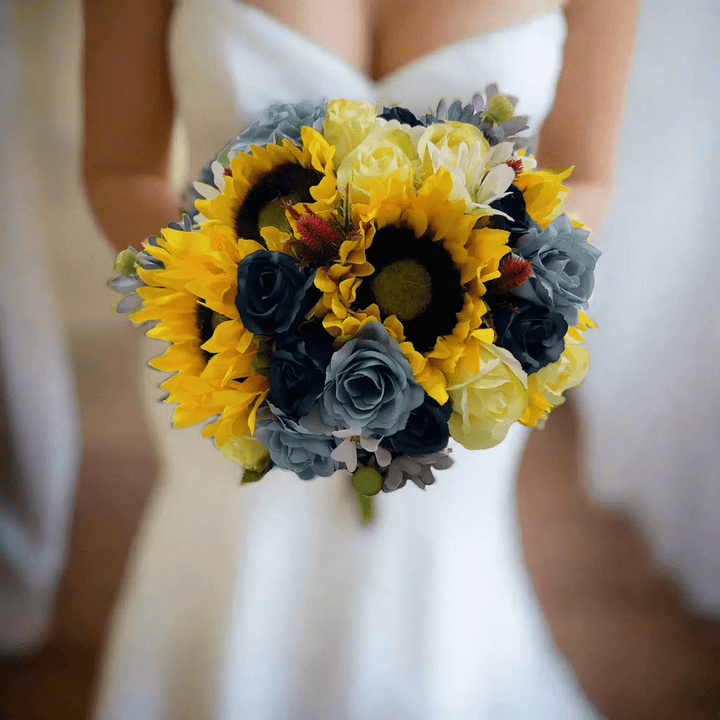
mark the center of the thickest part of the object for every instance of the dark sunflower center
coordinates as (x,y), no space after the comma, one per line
(206,320)
(416,280)
(262,205)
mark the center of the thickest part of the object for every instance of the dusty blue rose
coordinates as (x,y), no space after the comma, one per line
(533,334)
(273,292)
(563,264)
(370,384)
(294,448)
(277,121)
(426,430)
(297,371)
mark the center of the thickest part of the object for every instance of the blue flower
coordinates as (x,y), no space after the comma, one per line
(294,448)
(533,334)
(426,430)
(297,371)
(277,121)
(563,264)
(513,204)
(401,114)
(273,292)
(370,384)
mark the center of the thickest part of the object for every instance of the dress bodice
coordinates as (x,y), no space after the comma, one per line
(249,59)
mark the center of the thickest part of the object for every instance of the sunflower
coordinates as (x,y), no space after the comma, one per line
(429,268)
(259,185)
(192,296)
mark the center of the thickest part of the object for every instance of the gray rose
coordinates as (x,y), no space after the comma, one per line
(563,264)
(293,447)
(370,385)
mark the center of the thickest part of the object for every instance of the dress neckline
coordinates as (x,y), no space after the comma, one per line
(388,78)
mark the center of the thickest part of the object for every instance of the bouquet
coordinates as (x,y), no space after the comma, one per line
(359,285)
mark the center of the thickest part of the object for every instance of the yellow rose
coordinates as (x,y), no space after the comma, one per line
(347,123)
(447,137)
(488,394)
(570,370)
(246,451)
(386,151)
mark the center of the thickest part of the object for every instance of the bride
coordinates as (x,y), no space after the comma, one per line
(271,600)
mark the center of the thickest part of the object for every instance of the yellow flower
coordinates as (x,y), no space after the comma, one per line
(347,123)
(488,394)
(386,151)
(193,299)
(303,174)
(448,137)
(543,192)
(546,387)
(246,451)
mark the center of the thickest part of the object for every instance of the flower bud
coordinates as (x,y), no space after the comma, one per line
(500,109)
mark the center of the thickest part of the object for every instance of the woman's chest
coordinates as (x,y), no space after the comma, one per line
(377,38)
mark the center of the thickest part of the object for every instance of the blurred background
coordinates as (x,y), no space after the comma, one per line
(650,404)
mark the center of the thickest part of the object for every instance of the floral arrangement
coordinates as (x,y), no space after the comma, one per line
(359,286)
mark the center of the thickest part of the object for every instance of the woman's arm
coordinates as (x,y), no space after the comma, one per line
(583,127)
(128,118)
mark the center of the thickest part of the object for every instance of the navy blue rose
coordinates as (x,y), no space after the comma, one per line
(294,448)
(370,384)
(273,292)
(534,335)
(563,265)
(297,371)
(426,430)
(401,114)
(513,204)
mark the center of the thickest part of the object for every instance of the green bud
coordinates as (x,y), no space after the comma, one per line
(125,263)
(500,109)
(367,481)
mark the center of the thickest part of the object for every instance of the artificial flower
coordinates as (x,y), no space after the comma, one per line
(532,333)
(347,123)
(297,370)
(347,451)
(418,469)
(273,293)
(260,183)
(294,448)
(488,394)
(370,384)
(563,264)
(426,430)
(277,121)
(386,151)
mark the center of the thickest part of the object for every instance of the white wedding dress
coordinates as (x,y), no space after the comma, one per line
(271,601)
